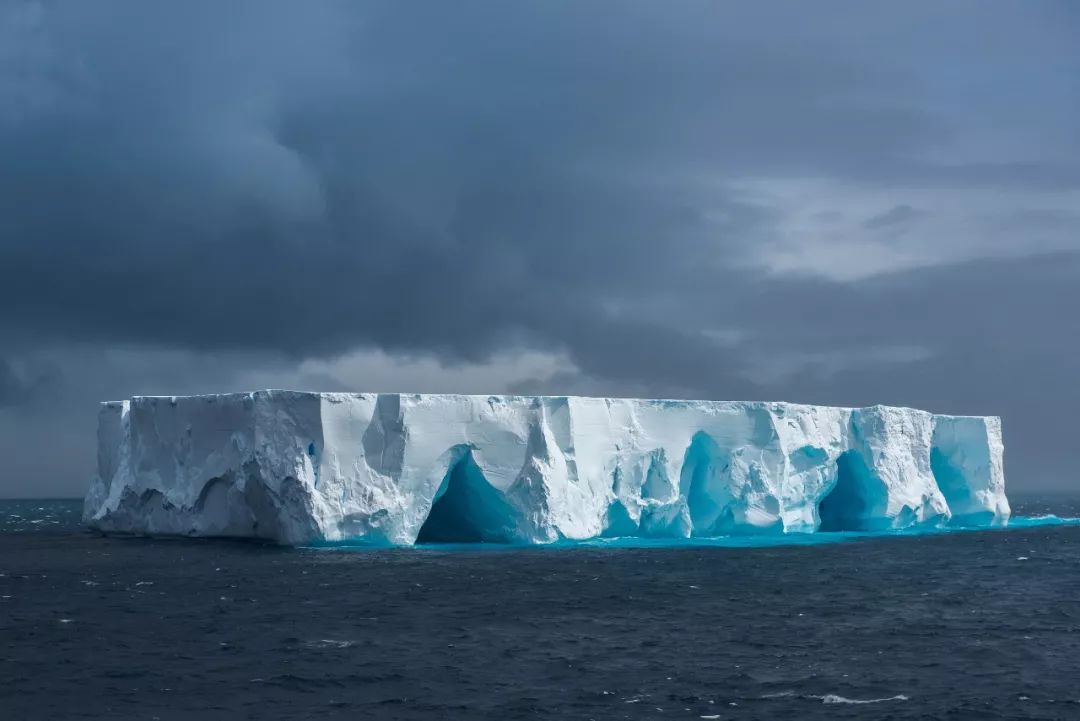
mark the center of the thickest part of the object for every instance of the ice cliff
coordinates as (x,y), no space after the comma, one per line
(404,468)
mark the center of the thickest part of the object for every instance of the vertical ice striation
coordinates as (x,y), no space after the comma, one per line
(395,468)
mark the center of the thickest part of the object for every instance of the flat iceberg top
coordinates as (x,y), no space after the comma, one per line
(512,398)
(301,467)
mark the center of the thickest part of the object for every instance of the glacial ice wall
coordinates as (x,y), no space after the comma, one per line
(298,468)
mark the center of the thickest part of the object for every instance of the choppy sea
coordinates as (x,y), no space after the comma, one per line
(956,625)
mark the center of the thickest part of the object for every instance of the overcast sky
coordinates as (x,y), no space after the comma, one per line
(833,202)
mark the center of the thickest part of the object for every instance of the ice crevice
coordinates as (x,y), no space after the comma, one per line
(300,468)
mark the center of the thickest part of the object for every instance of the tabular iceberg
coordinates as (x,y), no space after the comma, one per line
(300,468)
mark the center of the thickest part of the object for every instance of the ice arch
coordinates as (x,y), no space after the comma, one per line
(468,509)
(857,498)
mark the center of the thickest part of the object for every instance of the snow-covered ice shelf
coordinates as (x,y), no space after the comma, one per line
(301,468)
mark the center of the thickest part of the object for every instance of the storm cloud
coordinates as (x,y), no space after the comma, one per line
(832,203)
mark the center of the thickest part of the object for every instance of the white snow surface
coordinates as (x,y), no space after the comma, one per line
(302,468)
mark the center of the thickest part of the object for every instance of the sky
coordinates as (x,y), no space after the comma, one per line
(844,203)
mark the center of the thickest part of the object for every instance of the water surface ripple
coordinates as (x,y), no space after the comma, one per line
(979,625)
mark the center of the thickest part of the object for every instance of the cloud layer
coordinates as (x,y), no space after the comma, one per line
(829,203)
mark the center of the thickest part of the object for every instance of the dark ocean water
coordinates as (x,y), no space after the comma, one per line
(964,625)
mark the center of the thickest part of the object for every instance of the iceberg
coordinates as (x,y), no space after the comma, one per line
(387,468)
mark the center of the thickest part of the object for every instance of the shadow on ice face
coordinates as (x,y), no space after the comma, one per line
(467,509)
(858,499)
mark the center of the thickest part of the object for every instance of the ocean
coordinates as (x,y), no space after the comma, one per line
(957,625)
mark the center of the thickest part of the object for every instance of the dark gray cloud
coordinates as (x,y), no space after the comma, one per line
(898,215)
(22,383)
(699,199)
